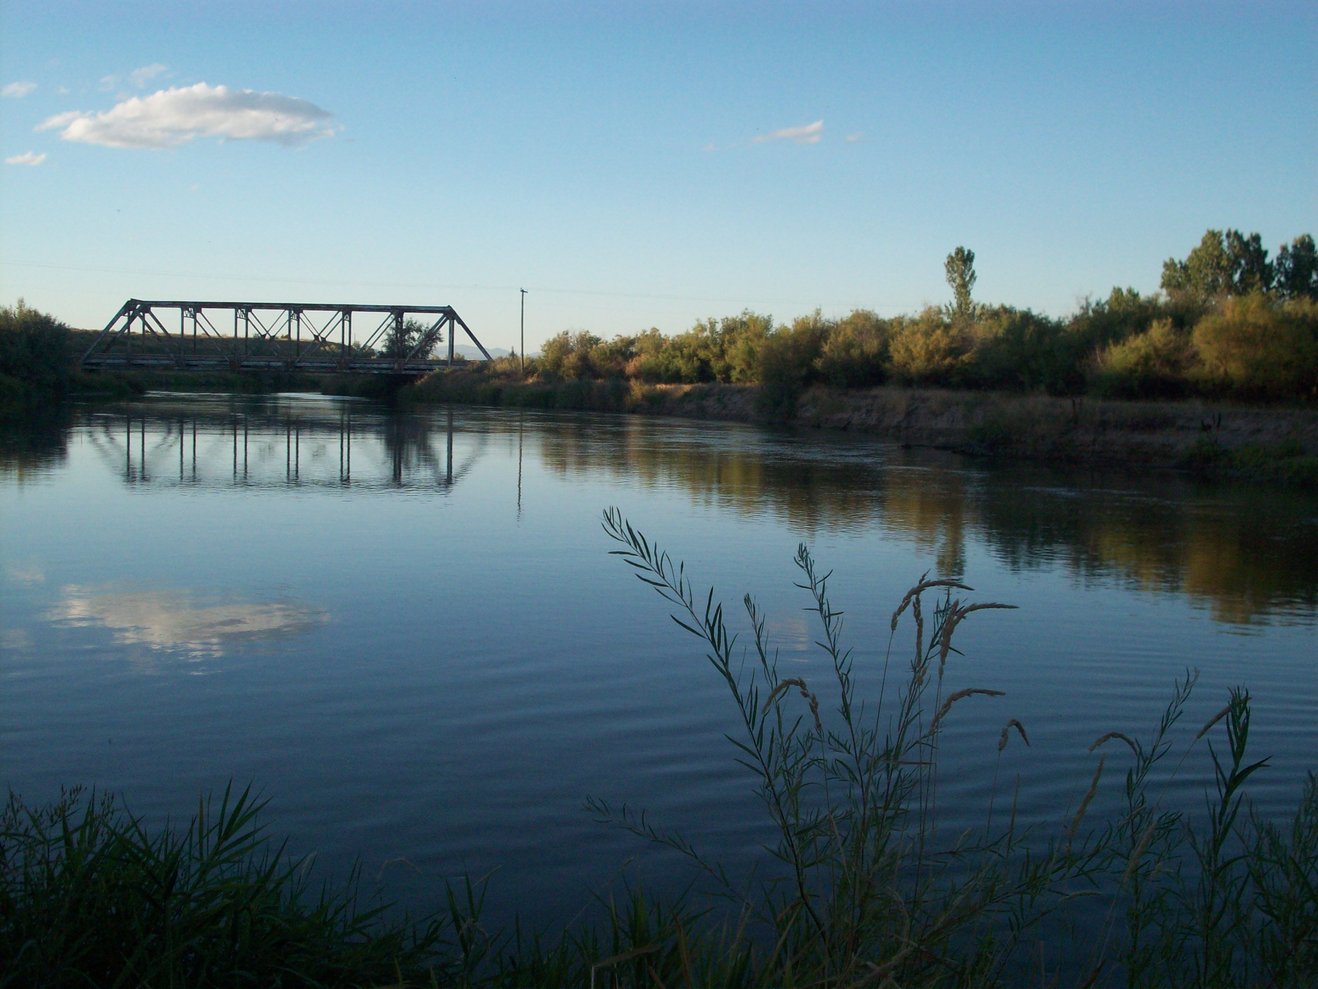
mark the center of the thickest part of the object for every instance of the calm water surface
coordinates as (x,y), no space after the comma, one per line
(407,632)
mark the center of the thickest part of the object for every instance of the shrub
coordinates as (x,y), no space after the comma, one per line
(567,356)
(1254,348)
(36,354)
(855,352)
(744,337)
(787,358)
(609,358)
(1152,364)
(1018,350)
(928,349)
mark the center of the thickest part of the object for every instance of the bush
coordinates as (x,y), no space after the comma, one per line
(567,356)
(855,352)
(1152,364)
(1018,350)
(787,359)
(1255,348)
(928,350)
(36,354)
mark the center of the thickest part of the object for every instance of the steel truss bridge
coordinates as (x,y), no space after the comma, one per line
(276,336)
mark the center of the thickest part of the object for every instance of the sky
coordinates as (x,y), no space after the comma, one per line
(639,164)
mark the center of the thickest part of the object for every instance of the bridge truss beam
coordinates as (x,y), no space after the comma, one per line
(276,336)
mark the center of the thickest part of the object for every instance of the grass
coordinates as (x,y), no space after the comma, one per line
(871,889)
(90,897)
(1282,464)
(863,883)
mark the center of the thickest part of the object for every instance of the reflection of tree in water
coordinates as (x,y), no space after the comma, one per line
(34,440)
(814,483)
(755,477)
(1248,552)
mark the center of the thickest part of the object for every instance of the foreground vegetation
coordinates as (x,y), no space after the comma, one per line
(90,897)
(863,883)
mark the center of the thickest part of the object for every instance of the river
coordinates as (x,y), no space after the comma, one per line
(407,630)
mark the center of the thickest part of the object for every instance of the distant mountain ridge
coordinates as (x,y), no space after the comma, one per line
(470,352)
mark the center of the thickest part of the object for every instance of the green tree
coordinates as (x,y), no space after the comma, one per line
(647,364)
(1224,264)
(1206,270)
(1251,271)
(405,337)
(743,339)
(1296,271)
(610,358)
(696,355)
(959,269)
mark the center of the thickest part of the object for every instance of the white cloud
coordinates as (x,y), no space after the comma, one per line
(17,90)
(26,158)
(856,137)
(138,77)
(170,117)
(808,134)
(145,74)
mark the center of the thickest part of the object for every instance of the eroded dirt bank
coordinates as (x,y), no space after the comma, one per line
(1082,430)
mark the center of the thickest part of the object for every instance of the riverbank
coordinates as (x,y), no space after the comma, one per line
(1266,443)
(1270,444)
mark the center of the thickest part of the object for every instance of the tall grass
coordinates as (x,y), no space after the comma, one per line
(871,889)
(90,897)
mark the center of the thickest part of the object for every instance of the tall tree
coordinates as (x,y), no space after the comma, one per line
(1297,269)
(1251,271)
(960,271)
(1224,263)
(1206,271)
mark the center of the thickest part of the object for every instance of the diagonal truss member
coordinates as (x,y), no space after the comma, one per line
(289,336)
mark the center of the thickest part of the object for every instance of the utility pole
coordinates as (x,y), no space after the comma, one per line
(522,351)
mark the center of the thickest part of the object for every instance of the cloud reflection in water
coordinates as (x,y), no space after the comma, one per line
(176,621)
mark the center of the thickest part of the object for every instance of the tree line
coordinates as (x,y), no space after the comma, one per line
(1226,322)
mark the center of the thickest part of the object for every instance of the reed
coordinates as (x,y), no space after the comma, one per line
(90,897)
(872,890)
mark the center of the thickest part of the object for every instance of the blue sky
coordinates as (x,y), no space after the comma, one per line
(639,164)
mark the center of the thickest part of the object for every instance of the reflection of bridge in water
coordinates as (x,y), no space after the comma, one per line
(277,336)
(338,447)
